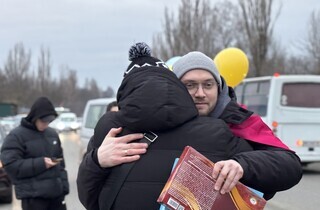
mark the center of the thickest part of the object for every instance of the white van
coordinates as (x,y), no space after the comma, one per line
(93,110)
(290,106)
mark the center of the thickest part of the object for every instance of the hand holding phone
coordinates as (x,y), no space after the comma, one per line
(56,160)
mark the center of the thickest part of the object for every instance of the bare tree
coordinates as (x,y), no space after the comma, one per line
(108,93)
(298,65)
(3,91)
(259,25)
(20,85)
(199,26)
(313,41)
(276,62)
(230,32)
(16,71)
(67,86)
(44,72)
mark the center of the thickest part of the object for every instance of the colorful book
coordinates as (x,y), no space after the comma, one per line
(191,187)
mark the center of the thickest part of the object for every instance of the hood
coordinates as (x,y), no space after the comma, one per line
(154,99)
(42,107)
(223,100)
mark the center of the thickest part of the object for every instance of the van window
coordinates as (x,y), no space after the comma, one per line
(290,106)
(239,93)
(302,94)
(94,114)
(255,96)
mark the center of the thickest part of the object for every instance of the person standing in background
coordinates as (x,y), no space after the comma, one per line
(112,107)
(33,158)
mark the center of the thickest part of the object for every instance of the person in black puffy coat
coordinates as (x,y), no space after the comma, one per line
(152,98)
(33,158)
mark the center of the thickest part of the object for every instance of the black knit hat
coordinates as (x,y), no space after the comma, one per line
(140,56)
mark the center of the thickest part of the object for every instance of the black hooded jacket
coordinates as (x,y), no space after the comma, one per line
(42,107)
(153,99)
(23,153)
(284,163)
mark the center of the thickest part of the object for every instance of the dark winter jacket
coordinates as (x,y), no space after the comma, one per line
(23,153)
(268,148)
(155,100)
(242,122)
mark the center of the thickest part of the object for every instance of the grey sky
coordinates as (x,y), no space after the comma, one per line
(94,36)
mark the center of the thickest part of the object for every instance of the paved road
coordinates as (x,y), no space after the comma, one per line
(304,195)
(71,153)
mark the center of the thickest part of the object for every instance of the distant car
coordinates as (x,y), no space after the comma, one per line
(62,109)
(67,121)
(5,183)
(8,123)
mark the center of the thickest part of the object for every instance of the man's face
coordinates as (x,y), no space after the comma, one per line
(203,88)
(41,125)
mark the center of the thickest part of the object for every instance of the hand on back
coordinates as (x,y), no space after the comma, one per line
(117,150)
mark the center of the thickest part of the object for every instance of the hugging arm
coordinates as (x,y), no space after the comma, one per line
(90,179)
(269,169)
(98,163)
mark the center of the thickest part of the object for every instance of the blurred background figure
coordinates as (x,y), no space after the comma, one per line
(33,158)
(112,107)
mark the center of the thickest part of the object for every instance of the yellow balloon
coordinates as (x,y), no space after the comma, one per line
(233,65)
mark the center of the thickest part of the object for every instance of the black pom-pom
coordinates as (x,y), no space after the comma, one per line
(139,49)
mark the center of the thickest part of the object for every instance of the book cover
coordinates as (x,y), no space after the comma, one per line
(191,187)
